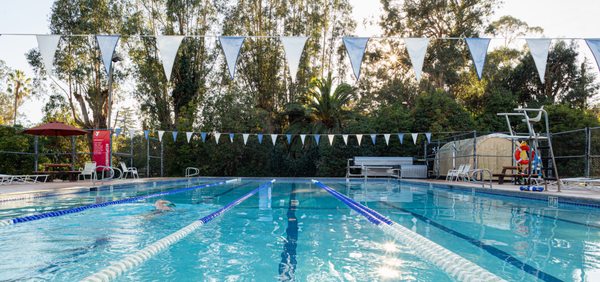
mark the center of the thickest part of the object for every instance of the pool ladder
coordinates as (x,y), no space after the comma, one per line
(192,171)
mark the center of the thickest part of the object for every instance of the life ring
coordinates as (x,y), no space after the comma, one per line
(522,154)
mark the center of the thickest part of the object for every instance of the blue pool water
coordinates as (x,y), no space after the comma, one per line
(297,231)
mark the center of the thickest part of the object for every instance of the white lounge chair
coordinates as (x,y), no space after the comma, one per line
(465,174)
(89,169)
(129,170)
(452,173)
(6,179)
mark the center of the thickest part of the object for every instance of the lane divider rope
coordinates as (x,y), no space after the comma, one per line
(454,265)
(135,259)
(11,221)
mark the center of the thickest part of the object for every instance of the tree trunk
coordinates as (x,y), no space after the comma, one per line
(16,103)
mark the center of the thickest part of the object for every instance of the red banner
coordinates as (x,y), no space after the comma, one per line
(101,140)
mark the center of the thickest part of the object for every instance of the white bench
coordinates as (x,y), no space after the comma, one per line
(399,167)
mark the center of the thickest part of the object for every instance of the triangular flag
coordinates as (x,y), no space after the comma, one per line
(203,136)
(417,48)
(317,138)
(539,48)
(289,138)
(231,137)
(293,47)
(428,136)
(107,45)
(478,48)
(387,139)
(345,137)
(217,136)
(274,138)
(174,135)
(245,137)
(401,137)
(231,48)
(414,137)
(146,133)
(594,45)
(373,138)
(260,137)
(117,131)
(167,47)
(302,138)
(131,133)
(330,137)
(47,45)
(189,135)
(160,135)
(356,46)
(359,138)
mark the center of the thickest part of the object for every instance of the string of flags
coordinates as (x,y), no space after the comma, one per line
(293,46)
(216,136)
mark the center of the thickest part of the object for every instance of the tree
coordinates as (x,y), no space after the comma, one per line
(20,86)
(329,105)
(509,28)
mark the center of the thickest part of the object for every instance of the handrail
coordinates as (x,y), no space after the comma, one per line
(192,171)
(481,172)
(105,168)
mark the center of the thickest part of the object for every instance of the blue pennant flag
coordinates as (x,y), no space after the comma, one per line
(401,138)
(478,48)
(203,136)
(289,138)
(594,45)
(174,135)
(146,133)
(428,136)
(260,137)
(373,138)
(356,46)
(317,138)
(231,137)
(117,131)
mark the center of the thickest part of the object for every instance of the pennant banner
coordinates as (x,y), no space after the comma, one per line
(231,46)
(356,46)
(217,136)
(428,136)
(245,137)
(417,48)
(167,47)
(131,133)
(414,137)
(274,138)
(146,134)
(160,135)
(478,48)
(594,45)
(330,137)
(359,138)
(302,138)
(203,136)
(47,44)
(317,138)
(289,138)
(107,45)
(401,138)
(373,138)
(539,48)
(345,137)
(189,135)
(260,138)
(387,139)
(231,137)
(293,47)
(174,135)
(117,131)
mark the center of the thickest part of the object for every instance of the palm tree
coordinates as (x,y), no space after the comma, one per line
(329,105)
(20,86)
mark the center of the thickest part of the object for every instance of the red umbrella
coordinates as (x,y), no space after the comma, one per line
(55,129)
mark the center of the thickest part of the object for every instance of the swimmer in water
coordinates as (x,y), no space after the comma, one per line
(163,205)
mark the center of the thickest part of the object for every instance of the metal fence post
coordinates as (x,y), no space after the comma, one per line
(148,157)
(36,152)
(475,149)
(161,159)
(588,148)
(73,153)
(130,150)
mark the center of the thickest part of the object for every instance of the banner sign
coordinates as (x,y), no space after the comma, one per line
(101,147)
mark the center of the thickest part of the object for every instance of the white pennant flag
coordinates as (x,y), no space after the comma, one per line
(293,47)
(167,47)
(107,45)
(417,48)
(345,137)
(356,46)
(131,133)
(217,136)
(539,48)
(160,135)
(359,138)
(302,138)
(428,136)
(245,136)
(189,136)
(478,48)
(231,46)
(274,138)
(414,137)
(387,138)
(330,137)
(47,45)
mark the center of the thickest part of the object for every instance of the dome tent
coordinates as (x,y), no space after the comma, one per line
(491,151)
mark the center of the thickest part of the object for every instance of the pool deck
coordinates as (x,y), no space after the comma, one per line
(66,186)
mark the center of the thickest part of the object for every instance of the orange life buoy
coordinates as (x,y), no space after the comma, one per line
(522,154)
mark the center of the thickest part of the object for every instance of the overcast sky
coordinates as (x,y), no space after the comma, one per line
(559,18)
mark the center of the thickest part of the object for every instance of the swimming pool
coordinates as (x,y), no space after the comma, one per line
(295,230)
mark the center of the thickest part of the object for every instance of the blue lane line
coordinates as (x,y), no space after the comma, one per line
(288,263)
(488,248)
(105,204)
(229,206)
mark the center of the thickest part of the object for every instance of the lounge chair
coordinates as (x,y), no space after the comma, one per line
(6,179)
(129,170)
(89,170)
(452,173)
(465,174)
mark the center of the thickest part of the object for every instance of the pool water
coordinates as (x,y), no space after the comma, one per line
(297,231)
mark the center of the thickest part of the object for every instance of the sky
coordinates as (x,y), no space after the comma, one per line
(558,18)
